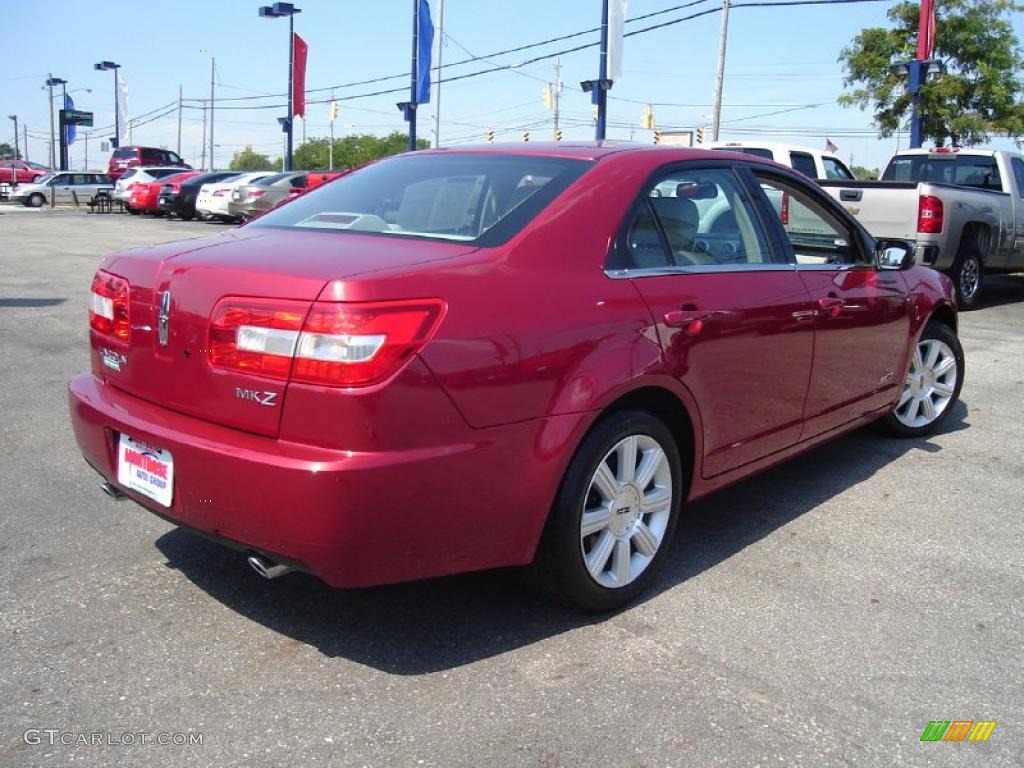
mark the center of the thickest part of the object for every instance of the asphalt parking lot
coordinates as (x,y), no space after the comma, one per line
(819,614)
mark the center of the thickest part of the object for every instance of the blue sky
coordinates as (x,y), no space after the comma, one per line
(780,61)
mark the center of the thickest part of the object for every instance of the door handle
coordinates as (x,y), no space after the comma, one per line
(830,306)
(691,321)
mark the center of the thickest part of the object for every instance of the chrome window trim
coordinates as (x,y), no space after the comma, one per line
(696,269)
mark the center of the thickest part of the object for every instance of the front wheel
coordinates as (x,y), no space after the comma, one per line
(932,386)
(615,514)
(35,200)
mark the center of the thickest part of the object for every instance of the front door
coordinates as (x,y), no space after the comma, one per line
(861,313)
(733,317)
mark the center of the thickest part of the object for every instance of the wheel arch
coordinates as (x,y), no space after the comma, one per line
(943,314)
(980,233)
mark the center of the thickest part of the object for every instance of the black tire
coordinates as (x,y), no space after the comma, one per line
(967,275)
(558,569)
(35,200)
(187,216)
(897,426)
(132,211)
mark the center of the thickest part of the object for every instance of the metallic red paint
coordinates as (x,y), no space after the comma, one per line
(452,464)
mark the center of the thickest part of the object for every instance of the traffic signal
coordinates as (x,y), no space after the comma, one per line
(648,119)
(700,134)
(526,135)
(334,111)
(549,96)
(558,135)
(657,137)
(490,135)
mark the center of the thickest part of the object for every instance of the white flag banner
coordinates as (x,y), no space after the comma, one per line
(616,27)
(122,109)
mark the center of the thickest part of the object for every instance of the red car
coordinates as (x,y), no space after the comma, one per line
(144,195)
(464,359)
(123,158)
(21,171)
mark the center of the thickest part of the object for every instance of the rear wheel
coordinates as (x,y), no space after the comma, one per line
(967,275)
(132,211)
(187,216)
(932,386)
(616,512)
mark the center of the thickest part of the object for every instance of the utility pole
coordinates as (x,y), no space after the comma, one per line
(24,131)
(179,120)
(333,114)
(212,67)
(558,88)
(720,80)
(17,152)
(437,92)
(53,156)
(202,162)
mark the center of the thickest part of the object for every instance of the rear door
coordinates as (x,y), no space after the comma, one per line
(733,317)
(861,313)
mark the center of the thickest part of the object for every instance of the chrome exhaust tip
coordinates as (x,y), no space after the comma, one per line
(112,492)
(267,569)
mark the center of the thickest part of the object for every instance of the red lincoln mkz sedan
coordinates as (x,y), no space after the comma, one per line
(463,359)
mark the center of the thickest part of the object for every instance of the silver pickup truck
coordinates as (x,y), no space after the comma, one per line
(963,210)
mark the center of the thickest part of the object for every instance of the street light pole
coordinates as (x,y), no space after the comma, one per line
(17,154)
(51,81)
(275,11)
(102,66)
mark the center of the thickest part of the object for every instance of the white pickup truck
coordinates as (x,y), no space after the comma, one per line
(962,209)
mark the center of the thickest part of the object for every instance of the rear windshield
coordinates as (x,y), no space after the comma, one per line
(486,197)
(266,182)
(978,171)
(755,151)
(124,152)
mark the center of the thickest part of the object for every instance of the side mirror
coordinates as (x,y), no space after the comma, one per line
(894,254)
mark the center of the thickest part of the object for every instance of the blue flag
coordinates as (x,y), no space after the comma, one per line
(425,38)
(70,135)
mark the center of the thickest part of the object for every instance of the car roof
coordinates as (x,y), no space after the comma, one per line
(585,150)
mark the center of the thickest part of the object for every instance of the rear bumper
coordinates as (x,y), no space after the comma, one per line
(351,518)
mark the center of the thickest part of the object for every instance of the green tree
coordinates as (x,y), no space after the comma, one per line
(351,151)
(978,95)
(6,151)
(865,174)
(249,160)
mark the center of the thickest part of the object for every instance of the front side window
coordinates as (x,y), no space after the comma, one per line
(817,237)
(803,163)
(696,219)
(1018,173)
(450,196)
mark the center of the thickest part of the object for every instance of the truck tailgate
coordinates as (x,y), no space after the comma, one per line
(886,209)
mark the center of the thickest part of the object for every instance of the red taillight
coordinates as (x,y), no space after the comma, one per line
(784,210)
(254,193)
(929,214)
(330,343)
(108,306)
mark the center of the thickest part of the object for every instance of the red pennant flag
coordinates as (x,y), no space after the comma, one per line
(926,31)
(299,52)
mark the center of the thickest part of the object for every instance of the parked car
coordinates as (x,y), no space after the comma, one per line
(180,199)
(144,196)
(64,186)
(122,187)
(16,172)
(964,210)
(253,199)
(212,200)
(812,163)
(464,359)
(124,158)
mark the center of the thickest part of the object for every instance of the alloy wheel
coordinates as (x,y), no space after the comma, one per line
(626,511)
(931,383)
(969,278)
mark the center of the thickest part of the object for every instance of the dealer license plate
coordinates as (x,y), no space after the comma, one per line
(146,469)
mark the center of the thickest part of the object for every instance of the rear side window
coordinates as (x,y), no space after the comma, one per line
(152,156)
(979,172)
(469,197)
(269,180)
(697,219)
(804,163)
(835,170)
(300,182)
